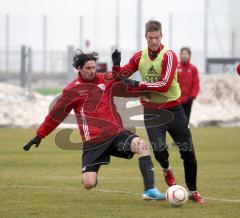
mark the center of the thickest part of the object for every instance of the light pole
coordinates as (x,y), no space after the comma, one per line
(139,24)
(205,48)
(117,24)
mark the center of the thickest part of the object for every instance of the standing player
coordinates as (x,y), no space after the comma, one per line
(90,96)
(188,80)
(157,65)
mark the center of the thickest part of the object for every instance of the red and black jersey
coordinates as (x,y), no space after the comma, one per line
(92,103)
(188,81)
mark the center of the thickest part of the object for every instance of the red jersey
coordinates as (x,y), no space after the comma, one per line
(188,81)
(92,103)
(169,66)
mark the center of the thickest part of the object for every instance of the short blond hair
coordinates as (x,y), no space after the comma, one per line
(153,25)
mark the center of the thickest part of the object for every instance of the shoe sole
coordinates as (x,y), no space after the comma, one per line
(147,198)
(197,202)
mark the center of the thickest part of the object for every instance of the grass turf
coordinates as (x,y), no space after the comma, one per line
(48,91)
(46,182)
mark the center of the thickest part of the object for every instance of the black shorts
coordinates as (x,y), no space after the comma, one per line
(117,146)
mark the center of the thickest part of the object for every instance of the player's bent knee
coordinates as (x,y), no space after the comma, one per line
(140,147)
(89,181)
(144,148)
(89,184)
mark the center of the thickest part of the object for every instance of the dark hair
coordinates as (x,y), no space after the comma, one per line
(153,25)
(80,58)
(187,49)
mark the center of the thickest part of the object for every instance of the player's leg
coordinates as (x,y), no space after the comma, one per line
(125,146)
(89,176)
(141,148)
(157,138)
(182,137)
(187,108)
(93,156)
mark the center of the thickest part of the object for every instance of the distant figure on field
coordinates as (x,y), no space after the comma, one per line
(188,80)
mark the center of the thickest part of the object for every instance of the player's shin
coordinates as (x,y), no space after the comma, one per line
(141,148)
(146,167)
(147,171)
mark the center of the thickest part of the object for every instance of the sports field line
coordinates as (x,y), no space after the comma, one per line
(132,193)
(100,177)
(107,191)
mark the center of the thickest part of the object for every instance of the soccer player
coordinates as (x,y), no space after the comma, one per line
(158,68)
(188,80)
(90,97)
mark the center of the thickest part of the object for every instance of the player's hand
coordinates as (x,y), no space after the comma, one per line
(131,82)
(116,58)
(35,141)
(191,99)
(145,94)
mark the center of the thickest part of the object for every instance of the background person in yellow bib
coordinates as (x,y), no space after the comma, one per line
(162,107)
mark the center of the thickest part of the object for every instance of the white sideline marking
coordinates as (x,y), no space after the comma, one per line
(115,191)
(223,200)
(107,191)
(100,177)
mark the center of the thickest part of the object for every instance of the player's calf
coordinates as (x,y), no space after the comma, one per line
(141,148)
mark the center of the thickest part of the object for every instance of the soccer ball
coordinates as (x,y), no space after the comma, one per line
(176,195)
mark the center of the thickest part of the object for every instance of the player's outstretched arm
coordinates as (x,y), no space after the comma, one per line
(35,141)
(60,110)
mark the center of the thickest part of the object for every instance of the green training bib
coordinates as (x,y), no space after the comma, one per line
(151,72)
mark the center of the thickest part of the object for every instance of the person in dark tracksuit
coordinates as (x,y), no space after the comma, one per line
(162,106)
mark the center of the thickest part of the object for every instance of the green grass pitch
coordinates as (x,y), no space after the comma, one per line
(46,182)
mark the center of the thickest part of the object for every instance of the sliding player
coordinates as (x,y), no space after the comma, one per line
(90,96)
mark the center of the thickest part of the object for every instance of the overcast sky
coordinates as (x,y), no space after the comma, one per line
(99,20)
(26,23)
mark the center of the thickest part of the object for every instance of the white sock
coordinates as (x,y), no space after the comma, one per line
(191,192)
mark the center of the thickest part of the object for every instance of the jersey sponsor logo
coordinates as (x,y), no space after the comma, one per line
(152,79)
(102,86)
(179,70)
(151,70)
(82,92)
(168,72)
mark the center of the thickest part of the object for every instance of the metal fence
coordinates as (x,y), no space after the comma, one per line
(48,68)
(49,36)
(54,68)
